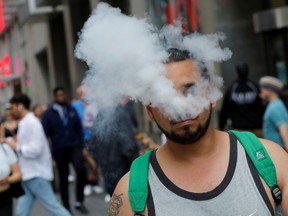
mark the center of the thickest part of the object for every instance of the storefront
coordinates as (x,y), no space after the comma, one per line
(272,25)
(12,72)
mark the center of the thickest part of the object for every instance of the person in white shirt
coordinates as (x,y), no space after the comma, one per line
(34,159)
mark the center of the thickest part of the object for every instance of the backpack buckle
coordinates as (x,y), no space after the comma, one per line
(276,193)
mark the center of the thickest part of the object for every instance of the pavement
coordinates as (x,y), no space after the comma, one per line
(94,203)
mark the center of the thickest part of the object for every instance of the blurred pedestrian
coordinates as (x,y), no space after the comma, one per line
(10,125)
(64,129)
(89,117)
(80,104)
(242,104)
(9,174)
(146,142)
(87,114)
(37,110)
(275,125)
(34,159)
(115,146)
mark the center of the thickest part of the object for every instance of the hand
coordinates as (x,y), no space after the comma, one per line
(149,144)
(11,143)
(85,153)
(94,167)
(4,181)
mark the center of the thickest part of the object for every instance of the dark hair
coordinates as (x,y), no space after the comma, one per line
(57,89)
(177,55)
(21,99)
(242,71)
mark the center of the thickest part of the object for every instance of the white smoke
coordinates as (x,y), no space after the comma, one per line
(126,57)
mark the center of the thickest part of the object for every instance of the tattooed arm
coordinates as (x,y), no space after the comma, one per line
(120,204)
(115,204)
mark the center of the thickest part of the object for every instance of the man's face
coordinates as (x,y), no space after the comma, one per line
(16,110)
(183,74)
(265,94)
(60,97)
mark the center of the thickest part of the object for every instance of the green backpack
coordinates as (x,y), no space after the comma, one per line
(138,185)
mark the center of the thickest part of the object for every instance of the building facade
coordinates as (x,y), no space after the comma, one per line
(38,39)
(11,51)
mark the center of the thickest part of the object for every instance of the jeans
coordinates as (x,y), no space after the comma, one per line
(63,157)
(39,188)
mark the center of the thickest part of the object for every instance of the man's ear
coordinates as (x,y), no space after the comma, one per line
(149,112)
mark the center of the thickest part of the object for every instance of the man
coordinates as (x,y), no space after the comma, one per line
(34,160)
(63,128)
(275,120)
(200,170)
(116,147)
(80,106)
(242,104)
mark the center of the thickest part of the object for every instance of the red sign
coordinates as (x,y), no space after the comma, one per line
(1,68)
(2,22)
(186,11)
(5,66)
(180,8)
(193,14)
(2,84)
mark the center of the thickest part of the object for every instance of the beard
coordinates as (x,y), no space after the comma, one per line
(188,137)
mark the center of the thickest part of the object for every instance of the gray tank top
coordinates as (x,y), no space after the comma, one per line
(241,193)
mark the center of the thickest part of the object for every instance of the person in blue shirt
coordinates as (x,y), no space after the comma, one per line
(80,106)
(275,121)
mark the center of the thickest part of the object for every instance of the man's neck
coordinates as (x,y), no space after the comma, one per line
(24,113)
(273,97)
(205,146)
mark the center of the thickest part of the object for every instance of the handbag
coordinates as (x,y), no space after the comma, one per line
(91,168)
(16,189)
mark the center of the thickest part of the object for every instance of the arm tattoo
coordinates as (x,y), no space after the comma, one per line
(115,204)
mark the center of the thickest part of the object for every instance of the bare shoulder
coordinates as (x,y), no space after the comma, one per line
(120,204)
(280,158)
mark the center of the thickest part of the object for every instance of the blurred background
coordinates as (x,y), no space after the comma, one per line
(38,37)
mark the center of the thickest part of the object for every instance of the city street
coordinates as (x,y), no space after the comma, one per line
(95,204)
(189,97)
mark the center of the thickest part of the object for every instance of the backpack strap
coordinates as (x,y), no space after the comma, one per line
(261,160)
(138,183)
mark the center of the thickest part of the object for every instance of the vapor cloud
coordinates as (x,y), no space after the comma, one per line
(125,56)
